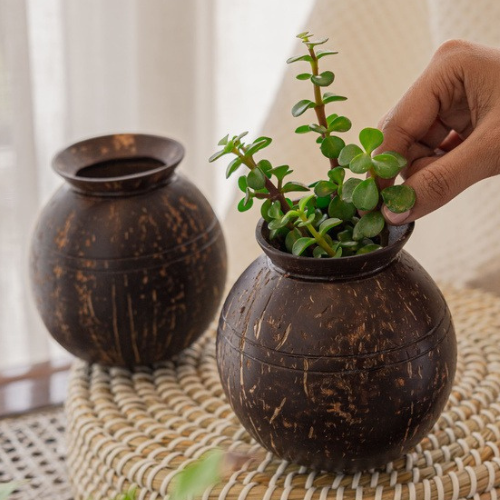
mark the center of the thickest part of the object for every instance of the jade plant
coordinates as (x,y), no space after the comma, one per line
(340,214)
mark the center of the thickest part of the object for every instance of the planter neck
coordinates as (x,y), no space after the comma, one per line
(118,165)
(331,269)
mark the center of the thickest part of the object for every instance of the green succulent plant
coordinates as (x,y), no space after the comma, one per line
(341,216)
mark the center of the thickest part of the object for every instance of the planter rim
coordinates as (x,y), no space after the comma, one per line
(69,161)
(331,269)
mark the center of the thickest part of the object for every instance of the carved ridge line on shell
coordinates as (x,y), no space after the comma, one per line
(370,369)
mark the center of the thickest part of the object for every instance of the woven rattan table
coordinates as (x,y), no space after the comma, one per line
(142,427)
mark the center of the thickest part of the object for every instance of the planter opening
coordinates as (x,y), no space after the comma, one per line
(120,167)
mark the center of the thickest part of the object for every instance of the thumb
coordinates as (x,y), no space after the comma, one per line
(437,180)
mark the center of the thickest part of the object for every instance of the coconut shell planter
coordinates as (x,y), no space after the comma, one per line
(337,364)
(128,261)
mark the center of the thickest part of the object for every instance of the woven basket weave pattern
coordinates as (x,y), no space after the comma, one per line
(142,427)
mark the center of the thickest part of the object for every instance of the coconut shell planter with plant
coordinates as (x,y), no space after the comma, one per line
(336,349)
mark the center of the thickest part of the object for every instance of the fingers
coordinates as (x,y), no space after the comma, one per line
(439,179)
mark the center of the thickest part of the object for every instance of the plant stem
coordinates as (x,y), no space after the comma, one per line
(319,239)
(274,192)
(319,107)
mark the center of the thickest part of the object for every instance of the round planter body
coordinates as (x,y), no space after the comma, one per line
(128,261)
(337,364)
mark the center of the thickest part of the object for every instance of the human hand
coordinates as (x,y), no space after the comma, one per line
(448,126)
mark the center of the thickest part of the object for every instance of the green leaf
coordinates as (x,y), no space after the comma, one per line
(304,76)
(329,97)
(365,195)
(331,118)
(6,489)
(386,166)
(238,138)
(197,476)
(242,183)
(323,201)
(313,43)
(368,248)
(277,233)
(256,179)
(324,79)
(369,226)
(228,148)
(294,186)
(233,166)
(309,220)
(276,224)
(337,175)
(371,138)
(348,153)
(332,146)
(324,188)
(223,141)
(400,158)
(245,204)
(301,245)
(341,209)
(304,201)
(264,210)
(323,53)
(257,145)
(351,245)
(329,224)
(266,167)
(345,235)
(340,124)
(281,172)
(130,494)
(217,155)
(319,252)
(291,238)
(304,57)
(399,199)
(361,163)
(319,129)
(301,107)
(303,129)
(304,34)
(275,211)
(348,188)
(289,216)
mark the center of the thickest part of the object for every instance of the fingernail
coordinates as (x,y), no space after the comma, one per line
(394,218)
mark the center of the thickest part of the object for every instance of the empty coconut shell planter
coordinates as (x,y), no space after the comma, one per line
(336,350)
(128,261)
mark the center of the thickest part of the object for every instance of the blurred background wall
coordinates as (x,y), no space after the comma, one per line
(194,71)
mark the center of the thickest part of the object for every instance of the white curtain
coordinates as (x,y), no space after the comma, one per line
(70,70)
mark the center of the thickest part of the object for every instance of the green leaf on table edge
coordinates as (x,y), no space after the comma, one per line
(198,475)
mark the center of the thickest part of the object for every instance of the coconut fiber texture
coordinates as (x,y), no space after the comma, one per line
(142,427)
